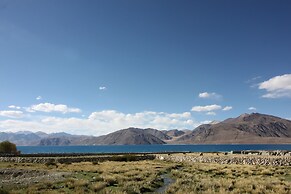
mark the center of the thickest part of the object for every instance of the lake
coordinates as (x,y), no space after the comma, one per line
(149,148)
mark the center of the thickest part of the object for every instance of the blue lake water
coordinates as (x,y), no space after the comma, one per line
(149,148)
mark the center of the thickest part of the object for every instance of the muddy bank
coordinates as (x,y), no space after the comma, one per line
(16,177)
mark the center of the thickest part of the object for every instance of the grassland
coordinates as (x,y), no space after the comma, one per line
(143,177)
(217,178)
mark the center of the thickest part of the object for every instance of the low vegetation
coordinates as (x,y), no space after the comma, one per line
(7,147)
(217,178)
(128,176)
(92,177)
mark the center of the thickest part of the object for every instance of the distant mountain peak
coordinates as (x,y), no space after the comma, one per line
(131,136)
(23,132)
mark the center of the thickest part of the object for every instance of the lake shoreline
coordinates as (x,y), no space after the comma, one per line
(69,154)
(136,149)
(220,158)
(273,158)
(147,173)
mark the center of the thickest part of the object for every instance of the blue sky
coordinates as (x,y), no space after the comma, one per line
(99,66)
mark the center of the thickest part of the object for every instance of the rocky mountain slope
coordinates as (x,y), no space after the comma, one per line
(174,133)
(27,138)
(130,136)
(157,133)
(122,137)
(247,128)
(54,141)
(20,138)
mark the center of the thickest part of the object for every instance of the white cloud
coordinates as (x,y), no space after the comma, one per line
(212,95)
(11,113)
(206,122)
(227,108)
(48,107)
(38,98)
(207,108)
(277,87)
(14,107)
(103,122)
(159,120)
(252,108)
(254,79)
(182,115)
(211,113)
(102,88)
(204,95)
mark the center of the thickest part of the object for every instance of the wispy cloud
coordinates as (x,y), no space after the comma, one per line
(211,113)
(11,113)
(210,109)
(103,122)
(102,88)
(38,98)
(207,108)
(277,87)
(14,107)
(159,120)
(227,108)
(254,79)
(206,122)
(252,108)
(48,107)
(211,95)
(254,82)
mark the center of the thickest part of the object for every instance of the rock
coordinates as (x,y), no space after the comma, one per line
(232,159)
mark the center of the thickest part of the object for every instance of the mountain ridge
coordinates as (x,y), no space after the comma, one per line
(246,128)
(254,128)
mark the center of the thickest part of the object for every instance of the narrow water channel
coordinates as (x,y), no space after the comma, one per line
(167,182)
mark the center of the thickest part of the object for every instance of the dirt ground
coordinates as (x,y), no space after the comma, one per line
(21,177)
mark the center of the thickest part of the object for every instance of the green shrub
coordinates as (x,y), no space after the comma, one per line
(7,147)
(51,163)
(125,158)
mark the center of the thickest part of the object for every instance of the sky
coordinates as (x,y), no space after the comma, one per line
(94,67)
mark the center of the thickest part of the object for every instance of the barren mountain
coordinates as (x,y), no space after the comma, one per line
(28,138)
(174,133)
(130,136)
(53,141)
(20,138)
(157,133)
(247,128)
(252,128)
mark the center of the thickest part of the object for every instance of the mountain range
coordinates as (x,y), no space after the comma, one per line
(252,128)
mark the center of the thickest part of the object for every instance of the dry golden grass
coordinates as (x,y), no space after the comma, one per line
(104,177)
(145,177)
(216,178)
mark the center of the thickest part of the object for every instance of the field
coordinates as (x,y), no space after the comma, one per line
(147,176)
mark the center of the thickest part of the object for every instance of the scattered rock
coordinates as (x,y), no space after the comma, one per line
(232,159)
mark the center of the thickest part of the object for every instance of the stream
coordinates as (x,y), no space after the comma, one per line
(167,181)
